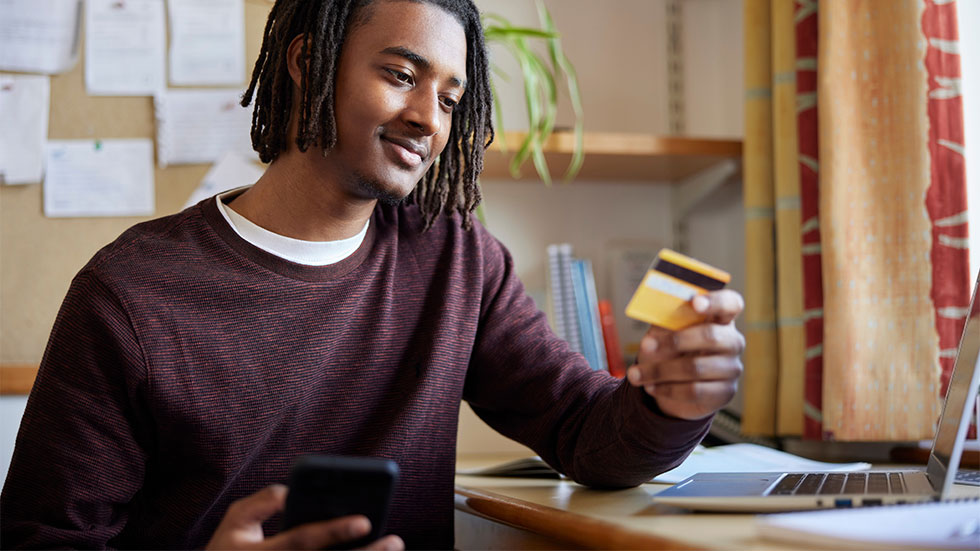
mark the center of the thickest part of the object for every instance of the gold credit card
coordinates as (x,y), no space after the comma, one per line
(664,296)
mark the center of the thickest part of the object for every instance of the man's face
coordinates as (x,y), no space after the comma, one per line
(400,75)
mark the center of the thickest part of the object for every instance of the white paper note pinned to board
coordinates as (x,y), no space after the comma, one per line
(124,47)
(207,42)
(200,125)
(39,36)
(86,178)
(24,120)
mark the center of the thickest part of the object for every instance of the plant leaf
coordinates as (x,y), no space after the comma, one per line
(540,76)
(564,65)
(495,32)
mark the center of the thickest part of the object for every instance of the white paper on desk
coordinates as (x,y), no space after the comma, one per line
(24,123)
(231,172)
(936,525)
(199,126)
(124,47)
(751,458)
(39,36)
(99,178)
(207,42)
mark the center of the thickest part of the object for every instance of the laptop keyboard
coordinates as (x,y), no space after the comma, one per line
(795,484)
(965,476)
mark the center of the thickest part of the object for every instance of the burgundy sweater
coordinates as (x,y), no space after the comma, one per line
(188,368)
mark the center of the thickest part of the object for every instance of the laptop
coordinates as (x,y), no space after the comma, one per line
(788,491)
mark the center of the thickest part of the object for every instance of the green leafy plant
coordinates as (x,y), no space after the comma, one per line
(541,75)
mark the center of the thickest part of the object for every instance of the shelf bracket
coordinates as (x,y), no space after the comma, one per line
(689,192)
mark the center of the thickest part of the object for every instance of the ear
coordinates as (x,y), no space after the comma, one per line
(293,60)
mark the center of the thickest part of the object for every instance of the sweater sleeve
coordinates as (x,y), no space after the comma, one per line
(527,384)
(79,457)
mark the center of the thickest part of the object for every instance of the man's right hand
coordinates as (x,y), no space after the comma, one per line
(241,527)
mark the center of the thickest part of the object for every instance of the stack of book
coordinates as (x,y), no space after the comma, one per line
(577,315)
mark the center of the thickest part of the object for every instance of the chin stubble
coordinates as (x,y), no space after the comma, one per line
(373,188)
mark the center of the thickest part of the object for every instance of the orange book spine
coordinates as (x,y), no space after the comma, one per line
(614,354)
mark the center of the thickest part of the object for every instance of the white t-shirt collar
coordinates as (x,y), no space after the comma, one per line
(310,253)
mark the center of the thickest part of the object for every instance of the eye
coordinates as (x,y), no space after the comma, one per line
(404,78)
(449,103)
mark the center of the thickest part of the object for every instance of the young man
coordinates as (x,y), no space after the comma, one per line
(344,304)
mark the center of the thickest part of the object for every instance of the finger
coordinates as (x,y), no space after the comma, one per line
(387,543)
(656,345)
(689,369)
(257,507)
(693,400)
(317,535)
(720,307)
(709,338)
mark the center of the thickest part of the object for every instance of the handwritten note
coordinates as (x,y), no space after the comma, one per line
(199,126)
(99,178)
(231,172)
(207,42)
(24,124)
(124,47)
(39,36)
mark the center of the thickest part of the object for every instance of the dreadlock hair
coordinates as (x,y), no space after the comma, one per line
(451,182)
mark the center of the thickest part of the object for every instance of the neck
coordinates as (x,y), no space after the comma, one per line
(294,200)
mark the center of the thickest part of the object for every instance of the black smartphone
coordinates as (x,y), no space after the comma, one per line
(323,487)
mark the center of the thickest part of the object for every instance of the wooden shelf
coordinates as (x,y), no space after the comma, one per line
(612,156)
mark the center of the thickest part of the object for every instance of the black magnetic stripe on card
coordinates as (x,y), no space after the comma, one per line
(685,274)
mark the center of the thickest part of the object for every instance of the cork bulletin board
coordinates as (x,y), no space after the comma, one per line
(40,255)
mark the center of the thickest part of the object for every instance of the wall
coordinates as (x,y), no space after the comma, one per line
(619,49)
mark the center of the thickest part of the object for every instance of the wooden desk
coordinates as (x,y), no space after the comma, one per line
(518,513)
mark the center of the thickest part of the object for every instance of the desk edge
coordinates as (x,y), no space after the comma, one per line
(561,525)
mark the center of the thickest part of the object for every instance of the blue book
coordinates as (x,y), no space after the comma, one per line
(593,302)
(585,317)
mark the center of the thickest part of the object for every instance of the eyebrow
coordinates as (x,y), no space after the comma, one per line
(422,62)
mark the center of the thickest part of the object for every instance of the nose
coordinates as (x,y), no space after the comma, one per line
(423,112)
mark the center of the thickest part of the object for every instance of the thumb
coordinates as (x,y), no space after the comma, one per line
(259,506)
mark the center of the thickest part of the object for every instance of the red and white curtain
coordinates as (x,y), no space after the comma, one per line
(878,148)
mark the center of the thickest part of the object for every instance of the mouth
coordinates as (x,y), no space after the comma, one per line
(406,152)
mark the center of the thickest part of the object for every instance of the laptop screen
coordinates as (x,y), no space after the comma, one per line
(960,397)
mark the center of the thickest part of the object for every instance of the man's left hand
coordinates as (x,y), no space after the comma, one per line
(694,372)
